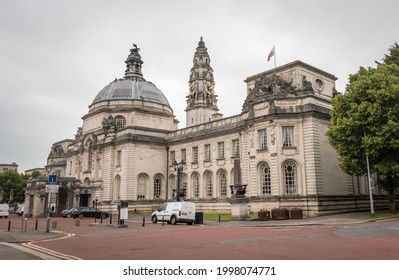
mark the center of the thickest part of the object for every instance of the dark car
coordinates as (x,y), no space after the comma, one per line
(67,213)
(82,212)
(20,211)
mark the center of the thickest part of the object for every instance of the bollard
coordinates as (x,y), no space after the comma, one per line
(143,221)
(77,222)
(9,225)
(163,221)
(54,224)
(26,224)
(48,224)
(22,224)
(110,219)
(219,218)
(101,219)
(37,223)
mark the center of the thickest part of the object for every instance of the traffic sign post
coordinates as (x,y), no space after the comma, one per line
(50,189)
(52,179)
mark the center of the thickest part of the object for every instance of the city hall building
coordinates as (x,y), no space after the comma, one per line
(129,147)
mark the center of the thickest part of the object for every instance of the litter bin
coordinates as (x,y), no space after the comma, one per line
(199,217)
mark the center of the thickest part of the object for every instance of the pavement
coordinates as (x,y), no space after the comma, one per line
(22,236)
(17,242)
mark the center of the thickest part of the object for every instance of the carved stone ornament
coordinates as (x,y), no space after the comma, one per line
(78,134)
(265,88)
(108,124)
(307,85)
(57,151)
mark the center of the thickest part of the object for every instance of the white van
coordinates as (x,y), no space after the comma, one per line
(175,212)
(4,210)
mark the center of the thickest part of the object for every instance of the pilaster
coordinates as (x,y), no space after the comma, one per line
(312,158)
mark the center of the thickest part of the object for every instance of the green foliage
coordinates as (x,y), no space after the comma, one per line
(393,56)
(365,120)
(11,179)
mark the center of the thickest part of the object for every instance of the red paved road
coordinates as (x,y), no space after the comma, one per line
(221,241)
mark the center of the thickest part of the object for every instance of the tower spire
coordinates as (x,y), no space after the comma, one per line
(134,64)
(201,101)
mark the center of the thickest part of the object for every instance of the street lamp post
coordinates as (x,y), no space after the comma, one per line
(368,168)
(369,181)
(178,168)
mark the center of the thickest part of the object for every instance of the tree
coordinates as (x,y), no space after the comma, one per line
(11,179)
(393,56)
(365,121)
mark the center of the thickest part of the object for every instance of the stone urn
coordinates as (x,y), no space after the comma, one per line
(280,214)
(264,215)
(296,213)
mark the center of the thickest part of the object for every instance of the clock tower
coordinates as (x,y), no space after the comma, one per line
(201,100)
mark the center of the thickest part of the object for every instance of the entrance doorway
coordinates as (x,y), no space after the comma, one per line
(84,200)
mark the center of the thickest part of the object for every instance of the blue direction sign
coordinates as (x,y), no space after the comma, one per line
(52,179)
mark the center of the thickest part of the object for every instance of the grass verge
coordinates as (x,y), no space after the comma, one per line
(378,216)
(225,217)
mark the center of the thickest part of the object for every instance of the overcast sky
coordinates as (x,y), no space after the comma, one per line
(55,56)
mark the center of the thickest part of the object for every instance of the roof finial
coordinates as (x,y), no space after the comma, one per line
(135,48)
(201,43)
(133,64)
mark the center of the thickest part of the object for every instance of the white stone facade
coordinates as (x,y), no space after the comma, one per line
(126,146)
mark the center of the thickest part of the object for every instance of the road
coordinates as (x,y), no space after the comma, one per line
(378,240)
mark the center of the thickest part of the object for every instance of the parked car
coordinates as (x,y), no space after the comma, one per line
(175,212)
(67,213)
(20,211)
(82,212)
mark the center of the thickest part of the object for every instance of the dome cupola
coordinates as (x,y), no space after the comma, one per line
(132,86)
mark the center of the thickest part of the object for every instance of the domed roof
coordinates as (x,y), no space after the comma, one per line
(133,86)
(138,89)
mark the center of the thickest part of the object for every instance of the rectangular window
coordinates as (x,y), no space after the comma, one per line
(288,136)
(221,150)
(118,158)
(262,139)
(236,148)
(183,155)
(195,154)
(207,155)
(172,157)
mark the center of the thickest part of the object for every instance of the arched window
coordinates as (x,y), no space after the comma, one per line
(141,186)
(223,183)
(117,188)
(157,186)
(120,122)
(196,185)
(290,180)
(265,179)
(208,184)
(184,184)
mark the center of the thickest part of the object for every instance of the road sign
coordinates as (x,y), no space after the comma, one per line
(52,179)
(52,188)
(124,214)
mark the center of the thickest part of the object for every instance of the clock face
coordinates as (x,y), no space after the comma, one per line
(209,88)
(193,88)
